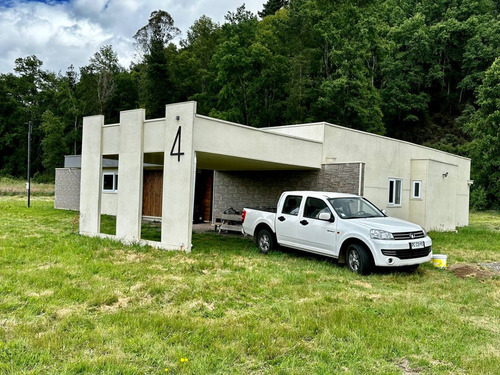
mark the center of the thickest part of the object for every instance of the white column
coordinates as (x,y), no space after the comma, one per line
(178,177)
(91,180)
(130,174)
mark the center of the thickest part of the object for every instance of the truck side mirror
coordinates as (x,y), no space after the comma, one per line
(326,216)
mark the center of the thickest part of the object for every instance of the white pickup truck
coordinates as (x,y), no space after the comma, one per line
(342,226)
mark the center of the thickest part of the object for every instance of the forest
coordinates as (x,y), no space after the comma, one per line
(424,71)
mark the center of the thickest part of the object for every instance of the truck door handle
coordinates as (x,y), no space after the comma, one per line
(304,222)
(281,218)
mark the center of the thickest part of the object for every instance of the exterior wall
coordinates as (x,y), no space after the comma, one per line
(178,177)
(224,138)
(67,192)
(263,188)
(315,131)
(419,206)
(441,196)
(91,181)
(130,170)
(109,203)
(67,189)
(386,158)
(109,199)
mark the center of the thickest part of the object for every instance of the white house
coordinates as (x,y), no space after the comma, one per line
(186,166)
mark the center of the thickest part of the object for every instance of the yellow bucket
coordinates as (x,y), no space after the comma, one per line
(439,260)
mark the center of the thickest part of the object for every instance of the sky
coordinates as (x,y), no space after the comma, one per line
(65,32)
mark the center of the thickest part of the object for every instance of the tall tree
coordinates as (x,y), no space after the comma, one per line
(234,66)
(193,69)
(33,88)
(99,77)
(70,107)
(352,40)
(53,143)
(483,126)
(13,128)
(272,6)
(151,40)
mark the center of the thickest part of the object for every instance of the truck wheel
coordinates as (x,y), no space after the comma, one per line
(358,259)
(265,241)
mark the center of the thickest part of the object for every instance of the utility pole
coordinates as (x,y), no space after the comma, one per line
(28,184)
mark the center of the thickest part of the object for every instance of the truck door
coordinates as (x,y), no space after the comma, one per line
(287,220)
(315,234)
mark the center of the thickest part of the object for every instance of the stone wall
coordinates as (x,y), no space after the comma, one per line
(67,190)
(263,188)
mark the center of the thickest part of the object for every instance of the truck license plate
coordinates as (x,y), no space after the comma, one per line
(417,245)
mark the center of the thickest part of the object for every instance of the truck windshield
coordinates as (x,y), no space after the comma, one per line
(354,208)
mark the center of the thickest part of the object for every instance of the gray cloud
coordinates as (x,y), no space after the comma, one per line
(64,33)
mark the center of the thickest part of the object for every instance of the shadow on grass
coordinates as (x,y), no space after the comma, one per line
(335,262)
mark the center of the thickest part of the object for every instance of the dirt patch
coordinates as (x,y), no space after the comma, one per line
(122,302)
(363,284)
(124,257)
(481,271)
(404,365)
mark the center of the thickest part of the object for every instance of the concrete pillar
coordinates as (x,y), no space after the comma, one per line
(130,174)
(178,177)
(91,180)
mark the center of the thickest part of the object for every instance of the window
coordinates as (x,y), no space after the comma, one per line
(314,207)
(292,205)
(395,189)
(354,208)
(110,182)
(416,191)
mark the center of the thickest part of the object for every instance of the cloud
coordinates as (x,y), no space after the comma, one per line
(61,33)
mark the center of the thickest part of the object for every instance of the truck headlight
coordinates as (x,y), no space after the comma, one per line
(377,234)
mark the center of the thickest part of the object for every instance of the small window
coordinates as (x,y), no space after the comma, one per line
(314,207)
(416,191)
(292,205)
(110,182)
(395,190)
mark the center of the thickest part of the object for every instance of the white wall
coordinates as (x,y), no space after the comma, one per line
(109,200)
(386,158)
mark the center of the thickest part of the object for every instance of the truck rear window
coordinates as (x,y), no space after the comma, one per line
(292,205)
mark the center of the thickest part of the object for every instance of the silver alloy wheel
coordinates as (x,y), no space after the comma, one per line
(264,242)
(353,260)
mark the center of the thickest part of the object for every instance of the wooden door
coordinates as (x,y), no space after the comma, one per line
(152,193)
(207,197)
(203,196)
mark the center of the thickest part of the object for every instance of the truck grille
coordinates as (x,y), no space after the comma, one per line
(407,253)
(408,235)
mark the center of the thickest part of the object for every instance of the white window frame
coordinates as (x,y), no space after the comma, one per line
(115,182)
(392,198)
(414,183)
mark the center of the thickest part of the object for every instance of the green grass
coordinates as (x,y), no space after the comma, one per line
(77,305)
(17,187)
(150,230)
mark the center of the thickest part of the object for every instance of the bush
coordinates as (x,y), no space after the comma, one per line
(478,198)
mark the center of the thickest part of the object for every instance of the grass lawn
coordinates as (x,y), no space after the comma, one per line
(78,305)
(17,187)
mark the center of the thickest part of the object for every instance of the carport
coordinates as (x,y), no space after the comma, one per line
(170,151)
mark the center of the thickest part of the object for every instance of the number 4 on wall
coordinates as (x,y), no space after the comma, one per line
(177,141)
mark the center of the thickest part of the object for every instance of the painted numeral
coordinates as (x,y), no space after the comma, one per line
(177,141)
